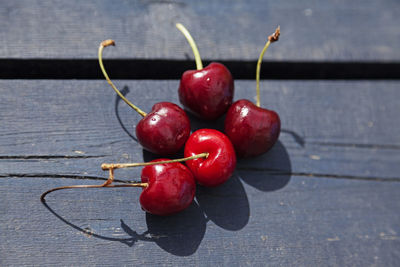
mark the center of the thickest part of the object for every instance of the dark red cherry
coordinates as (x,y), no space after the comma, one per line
(171,188)
(208,92)
(221,161)
(164,130)
(251,129)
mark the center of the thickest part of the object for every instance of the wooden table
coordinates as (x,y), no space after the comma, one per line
(328,193)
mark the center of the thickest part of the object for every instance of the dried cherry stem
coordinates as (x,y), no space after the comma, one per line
(107,183)
(101,48)
(192,44)
(272,38)
(111,166)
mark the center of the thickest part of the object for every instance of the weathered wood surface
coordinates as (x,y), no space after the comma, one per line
(327,194)
(362,30)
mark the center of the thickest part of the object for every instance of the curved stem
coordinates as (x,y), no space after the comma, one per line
(192,44)
(100,54)
(42,197)
(111,166)
(258,71)
(107,183)
(272,38)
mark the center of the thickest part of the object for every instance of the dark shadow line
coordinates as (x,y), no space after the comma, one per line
(302,142)
(322,175)
(58,176)
(371,146)
(52,157)
(349,177)
(164,69)
(266,170)
(160,2)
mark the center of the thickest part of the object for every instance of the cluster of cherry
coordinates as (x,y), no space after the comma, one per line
(210,155)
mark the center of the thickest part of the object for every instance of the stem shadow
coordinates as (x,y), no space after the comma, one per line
(179,234)
(124,92)
(297,138)
(134,236)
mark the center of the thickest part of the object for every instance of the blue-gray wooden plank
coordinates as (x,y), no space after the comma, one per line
(327,194)
(333,127)
(310,222)
(334,30)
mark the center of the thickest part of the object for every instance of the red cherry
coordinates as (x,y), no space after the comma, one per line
(171,188)
(251,129)
(164,130)
(208,92)
(220,162)
(168,187)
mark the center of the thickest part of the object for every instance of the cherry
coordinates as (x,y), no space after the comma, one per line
(165,129)
(168,186)
(253,130)
(205,92)
(209,154)
(220,162)
(171,188)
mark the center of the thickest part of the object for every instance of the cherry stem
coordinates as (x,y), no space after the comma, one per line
(272,38)
(42,197)
(192,44)
(107,183)
(100,55)
(111,166)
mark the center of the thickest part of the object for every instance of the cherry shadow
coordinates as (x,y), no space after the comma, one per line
(197,123)
(226,205)
(149,156)
(179,234)
(268,172)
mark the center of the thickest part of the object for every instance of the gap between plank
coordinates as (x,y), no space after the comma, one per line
(266,171)
(159,69)
(53,157)
(61,176)
(322,175)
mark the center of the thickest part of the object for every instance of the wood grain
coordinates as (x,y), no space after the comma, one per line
(311,31)
(335,127)
(311,221)
(327,194)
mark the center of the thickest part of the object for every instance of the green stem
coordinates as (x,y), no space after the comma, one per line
(258,71)
(192,44)
(272,38)
(106,166)
(101,47)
